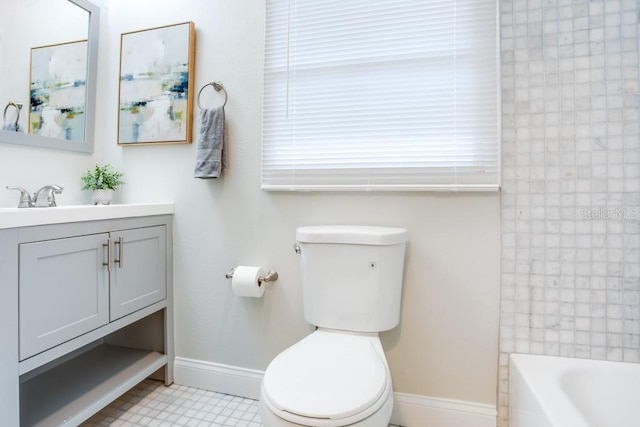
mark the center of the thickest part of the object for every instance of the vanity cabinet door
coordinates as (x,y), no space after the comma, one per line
(138,273)
(64,290)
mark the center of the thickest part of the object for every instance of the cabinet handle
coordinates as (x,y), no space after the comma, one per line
(108,246)
(120,243)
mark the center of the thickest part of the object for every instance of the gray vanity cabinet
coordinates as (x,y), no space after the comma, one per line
(138,276)
(95,279)
(86,313)
(64,291)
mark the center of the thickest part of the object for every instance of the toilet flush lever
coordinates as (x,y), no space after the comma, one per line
(296,248)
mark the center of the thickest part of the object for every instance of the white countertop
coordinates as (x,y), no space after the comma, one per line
(24,217)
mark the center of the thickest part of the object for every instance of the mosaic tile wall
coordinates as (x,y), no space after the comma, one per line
(571,181)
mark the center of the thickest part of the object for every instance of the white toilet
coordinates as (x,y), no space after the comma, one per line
(338,375)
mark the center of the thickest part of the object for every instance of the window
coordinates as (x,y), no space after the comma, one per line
(380,94)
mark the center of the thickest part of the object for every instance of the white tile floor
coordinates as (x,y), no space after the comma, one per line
(150,403)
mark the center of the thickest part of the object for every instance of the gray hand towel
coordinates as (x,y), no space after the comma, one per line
(14,127)
(209,160)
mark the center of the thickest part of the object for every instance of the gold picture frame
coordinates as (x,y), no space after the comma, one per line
(155,94)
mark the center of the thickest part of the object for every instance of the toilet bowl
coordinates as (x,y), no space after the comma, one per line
(329,379)
(338,375)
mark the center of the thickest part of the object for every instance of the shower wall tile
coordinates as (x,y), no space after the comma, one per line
(570,281)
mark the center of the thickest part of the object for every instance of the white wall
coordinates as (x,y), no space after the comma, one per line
(32,168)
(447,343)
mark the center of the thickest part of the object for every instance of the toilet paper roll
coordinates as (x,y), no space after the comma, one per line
(245,281)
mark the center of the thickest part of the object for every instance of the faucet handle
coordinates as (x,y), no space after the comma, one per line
(25,199)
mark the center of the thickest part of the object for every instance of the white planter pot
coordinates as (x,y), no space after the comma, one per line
(102,197)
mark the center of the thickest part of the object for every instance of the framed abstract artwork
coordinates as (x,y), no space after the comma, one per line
(156,85)
(58,90)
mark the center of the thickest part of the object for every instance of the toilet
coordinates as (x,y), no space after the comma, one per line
(338,375)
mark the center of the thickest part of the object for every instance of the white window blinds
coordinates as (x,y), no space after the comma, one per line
(380,94)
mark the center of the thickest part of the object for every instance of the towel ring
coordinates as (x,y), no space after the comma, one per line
(218,87)
(17,106)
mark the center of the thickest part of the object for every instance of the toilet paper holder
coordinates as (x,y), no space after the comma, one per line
(271,276)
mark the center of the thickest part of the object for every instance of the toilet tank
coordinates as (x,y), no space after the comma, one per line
(352,276)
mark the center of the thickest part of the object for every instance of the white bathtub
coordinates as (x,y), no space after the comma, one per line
(547,391)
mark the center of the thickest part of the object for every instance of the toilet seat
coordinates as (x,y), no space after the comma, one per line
(348,376)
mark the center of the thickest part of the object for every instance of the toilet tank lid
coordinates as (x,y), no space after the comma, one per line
(352,234)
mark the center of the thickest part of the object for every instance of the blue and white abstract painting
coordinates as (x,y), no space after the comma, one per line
(155,85)
(58,90)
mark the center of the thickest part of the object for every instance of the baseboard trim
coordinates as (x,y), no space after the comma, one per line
(409,410)
(217,377)
(412,410)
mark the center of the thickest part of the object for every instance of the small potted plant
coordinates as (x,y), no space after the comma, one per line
(103,181)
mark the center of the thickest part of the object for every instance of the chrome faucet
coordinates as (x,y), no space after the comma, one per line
(25,199)
(43,198)
(47,192)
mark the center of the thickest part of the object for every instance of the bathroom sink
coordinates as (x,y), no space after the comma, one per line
(24,217)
